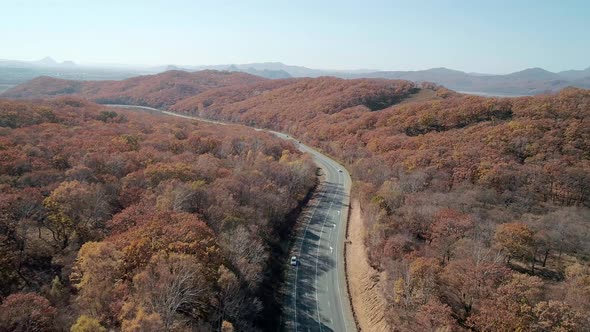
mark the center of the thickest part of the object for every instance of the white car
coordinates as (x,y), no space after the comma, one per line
(294,260)
(340,170)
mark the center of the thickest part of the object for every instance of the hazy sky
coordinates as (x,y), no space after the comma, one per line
(483,36)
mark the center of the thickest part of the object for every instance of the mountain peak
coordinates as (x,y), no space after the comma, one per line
(534,70)
(443,70)
(47,61)
(534,73)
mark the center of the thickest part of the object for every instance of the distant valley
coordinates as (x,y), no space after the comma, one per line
(13,72)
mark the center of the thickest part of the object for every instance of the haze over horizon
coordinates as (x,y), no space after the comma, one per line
(376,35)
(180,66)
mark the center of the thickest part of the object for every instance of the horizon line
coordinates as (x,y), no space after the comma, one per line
(187,66)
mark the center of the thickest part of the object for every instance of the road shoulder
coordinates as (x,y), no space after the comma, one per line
(368,302)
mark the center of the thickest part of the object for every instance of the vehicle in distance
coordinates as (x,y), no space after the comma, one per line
(294,260)
(340,170)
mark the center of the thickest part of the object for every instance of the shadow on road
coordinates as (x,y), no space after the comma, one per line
(315,261)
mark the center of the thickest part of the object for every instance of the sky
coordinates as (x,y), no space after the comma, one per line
(474,36)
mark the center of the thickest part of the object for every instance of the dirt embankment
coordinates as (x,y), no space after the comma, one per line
(367,301)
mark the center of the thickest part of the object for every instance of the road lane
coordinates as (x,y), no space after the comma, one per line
(320,299)
(316,298)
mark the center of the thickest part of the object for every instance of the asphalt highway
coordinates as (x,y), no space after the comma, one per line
(316,298)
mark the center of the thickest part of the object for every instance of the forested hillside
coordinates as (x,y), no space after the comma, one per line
(159,90)
(477,209)
(114,219)
(303,101)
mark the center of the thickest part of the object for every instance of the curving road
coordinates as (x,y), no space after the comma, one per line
(316,297)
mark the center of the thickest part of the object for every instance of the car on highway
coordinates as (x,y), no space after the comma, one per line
(340,170)
(294,260)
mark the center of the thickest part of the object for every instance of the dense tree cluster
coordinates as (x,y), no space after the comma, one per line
(303,99)
(159,90)
(121,219)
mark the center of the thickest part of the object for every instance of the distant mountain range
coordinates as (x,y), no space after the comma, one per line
(13,72)
(45,62)
(530,81)
(280,70)
(526,82)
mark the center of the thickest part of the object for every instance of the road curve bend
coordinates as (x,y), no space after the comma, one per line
(319,298)
(316,296)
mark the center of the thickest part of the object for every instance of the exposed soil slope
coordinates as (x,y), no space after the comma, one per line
(368,301)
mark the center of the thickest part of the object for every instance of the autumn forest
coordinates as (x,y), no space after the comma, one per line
(476,210)
(112,218)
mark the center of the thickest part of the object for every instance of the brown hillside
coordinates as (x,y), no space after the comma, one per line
(303,99)
(159,90)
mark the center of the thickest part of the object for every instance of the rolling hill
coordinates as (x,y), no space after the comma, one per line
(526,82)
(160,90)
(210,89)
(530,81)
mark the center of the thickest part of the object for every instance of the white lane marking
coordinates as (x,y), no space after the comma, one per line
(317,259)
(300,247)
(333,168)
(320,241)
